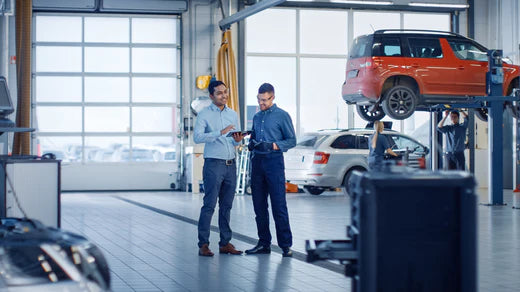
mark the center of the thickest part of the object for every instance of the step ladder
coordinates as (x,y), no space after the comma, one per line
(243,162)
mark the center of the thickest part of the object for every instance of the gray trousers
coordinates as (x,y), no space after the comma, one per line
(219,183)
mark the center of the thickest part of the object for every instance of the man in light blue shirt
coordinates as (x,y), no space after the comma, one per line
(219,172)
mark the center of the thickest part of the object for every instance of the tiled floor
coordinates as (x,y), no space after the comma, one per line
(150,240)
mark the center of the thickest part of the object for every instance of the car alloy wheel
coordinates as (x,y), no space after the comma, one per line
(370,113)
(399,102)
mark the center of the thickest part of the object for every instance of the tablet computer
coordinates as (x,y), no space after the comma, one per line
(245,133)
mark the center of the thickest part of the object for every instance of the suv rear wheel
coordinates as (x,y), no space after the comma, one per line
(370,113)
(399,102)
(314,190)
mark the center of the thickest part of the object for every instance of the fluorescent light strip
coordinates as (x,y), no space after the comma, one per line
(363,2)
(348,2)
(442,5)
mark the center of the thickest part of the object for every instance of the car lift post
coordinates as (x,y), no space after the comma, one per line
(495,98)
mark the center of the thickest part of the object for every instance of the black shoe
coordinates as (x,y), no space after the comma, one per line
(287,252)
(259,249)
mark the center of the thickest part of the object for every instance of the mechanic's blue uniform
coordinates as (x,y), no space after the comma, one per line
(455,136)
(219,172)
(268,172)
(376,156)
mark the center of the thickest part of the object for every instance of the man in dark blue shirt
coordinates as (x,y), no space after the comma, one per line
(272,134)
(455,136)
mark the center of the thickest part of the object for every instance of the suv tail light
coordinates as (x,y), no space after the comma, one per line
(422,162)
(376,62)
(321,157)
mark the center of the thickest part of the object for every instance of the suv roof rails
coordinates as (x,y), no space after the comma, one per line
(381,31)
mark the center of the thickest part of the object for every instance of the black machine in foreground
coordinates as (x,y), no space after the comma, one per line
(38,258)
(412,231)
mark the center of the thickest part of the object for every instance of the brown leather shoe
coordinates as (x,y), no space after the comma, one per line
(229,248)
(205,251)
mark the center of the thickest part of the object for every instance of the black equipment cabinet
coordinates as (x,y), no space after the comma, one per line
(409,232)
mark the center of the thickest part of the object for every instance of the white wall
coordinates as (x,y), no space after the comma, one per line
(497,25)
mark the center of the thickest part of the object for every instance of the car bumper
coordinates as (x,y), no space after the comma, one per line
(310,178)
(360,90)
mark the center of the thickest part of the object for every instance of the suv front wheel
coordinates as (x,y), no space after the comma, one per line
(399,102)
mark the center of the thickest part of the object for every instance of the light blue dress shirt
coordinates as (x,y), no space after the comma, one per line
(210,122)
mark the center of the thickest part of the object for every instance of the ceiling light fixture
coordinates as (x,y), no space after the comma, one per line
(438,5)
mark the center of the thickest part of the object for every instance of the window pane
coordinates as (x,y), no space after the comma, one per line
(344,142)
(107,119)
(312,25)
(58,59)
(465,50)
(156,60)
(107,89)
(107,29)
(152,119)
(105,149)
(281,73)
(148,89)
(320,81)
(271,31)
(425,48)
(388,47)
(164,30)
(164,147)
(58,89)
(106,60)
(63,147)
(427,21)
(368,22)
(58,119)
(58,29)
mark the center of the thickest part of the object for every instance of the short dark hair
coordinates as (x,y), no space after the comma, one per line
(266,87)
(213,84)
(455,112)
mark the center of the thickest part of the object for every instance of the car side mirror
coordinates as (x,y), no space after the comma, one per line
(426,150)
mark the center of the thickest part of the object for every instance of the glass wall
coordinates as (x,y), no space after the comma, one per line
(105,87)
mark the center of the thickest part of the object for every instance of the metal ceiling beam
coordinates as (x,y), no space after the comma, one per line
(242,14)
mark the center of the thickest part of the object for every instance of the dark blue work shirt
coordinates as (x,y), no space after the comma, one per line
(378,154)
(455,136)
(274,125)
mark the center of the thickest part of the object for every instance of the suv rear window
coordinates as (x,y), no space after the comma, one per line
(311,140)
(425,48)
(362,47)
(388,46)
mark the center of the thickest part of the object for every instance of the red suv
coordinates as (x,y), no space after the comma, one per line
(395,72)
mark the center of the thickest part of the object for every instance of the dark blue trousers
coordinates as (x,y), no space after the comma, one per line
(456,160)
(268,179)
(219,183)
